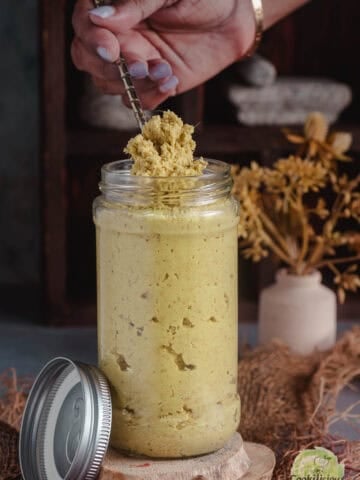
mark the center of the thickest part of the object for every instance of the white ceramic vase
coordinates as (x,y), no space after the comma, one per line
(300,311)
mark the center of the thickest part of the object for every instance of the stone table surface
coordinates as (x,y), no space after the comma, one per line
(28,346)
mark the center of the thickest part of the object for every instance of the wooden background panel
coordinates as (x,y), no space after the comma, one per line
(53,154)
(83,178)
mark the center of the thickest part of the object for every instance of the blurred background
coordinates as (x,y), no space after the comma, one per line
(20,252)
(56,133)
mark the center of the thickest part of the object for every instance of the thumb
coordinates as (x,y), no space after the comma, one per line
(125,15)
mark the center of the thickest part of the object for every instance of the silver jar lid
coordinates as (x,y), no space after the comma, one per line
(66,424)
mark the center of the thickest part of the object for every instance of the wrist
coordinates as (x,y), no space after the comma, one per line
(246,22)
(245,25)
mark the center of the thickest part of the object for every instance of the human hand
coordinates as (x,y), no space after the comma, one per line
(170,46)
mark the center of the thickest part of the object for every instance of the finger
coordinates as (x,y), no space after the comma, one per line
(111,87)
(158,90)
(135,48)
(169,85)
(136,51)
(88,62)
(108,87)
(149,94)
(152,97)
(80,18)
(159,69)
(123,17)
(98,40)
(104,45)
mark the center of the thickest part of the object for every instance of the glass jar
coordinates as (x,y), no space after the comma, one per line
(167,309)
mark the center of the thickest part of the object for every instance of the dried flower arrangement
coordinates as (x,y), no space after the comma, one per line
(284,210)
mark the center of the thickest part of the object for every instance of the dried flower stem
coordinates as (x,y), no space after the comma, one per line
(305,240)
(272,229)
(315,255)
(337,261)
(328,229)
(278,251)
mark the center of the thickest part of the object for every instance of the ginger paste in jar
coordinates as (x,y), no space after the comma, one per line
(167,295)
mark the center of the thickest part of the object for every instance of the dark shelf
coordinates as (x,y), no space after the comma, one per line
(213,140)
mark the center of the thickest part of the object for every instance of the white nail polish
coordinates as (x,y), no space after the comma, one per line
(169,85)
(138,70)
(104,54)
(103,12)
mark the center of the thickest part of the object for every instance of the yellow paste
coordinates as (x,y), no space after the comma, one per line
(167,314)
(165,148)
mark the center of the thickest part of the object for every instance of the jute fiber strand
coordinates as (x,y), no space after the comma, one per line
(288,402)
(12,402)
(9,467)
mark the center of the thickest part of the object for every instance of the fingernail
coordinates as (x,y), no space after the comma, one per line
(104,54)
(138,70)
(169,84)
(160,71)
(103,12)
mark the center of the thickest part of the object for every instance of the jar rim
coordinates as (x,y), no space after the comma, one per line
(114,173)
(120,186)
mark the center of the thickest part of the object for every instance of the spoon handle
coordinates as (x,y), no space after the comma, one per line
(127,81)
(131,92)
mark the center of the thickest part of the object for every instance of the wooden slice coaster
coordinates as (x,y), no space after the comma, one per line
(262,462)
(230,463)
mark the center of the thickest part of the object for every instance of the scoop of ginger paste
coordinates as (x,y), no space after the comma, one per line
(165,148)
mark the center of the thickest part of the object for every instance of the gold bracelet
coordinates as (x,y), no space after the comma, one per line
(259,28)
(101,3)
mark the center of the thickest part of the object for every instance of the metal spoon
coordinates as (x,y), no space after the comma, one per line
(128,83)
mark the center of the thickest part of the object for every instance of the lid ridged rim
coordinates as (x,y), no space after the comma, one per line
(42,395)
(104,425)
